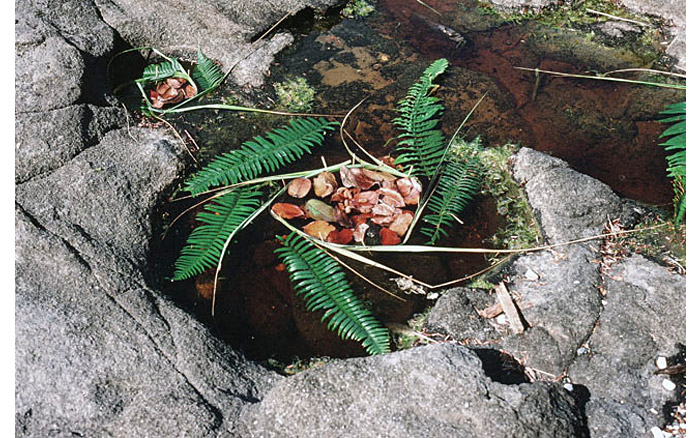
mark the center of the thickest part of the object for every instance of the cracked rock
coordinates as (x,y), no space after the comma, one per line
(437,390)
(644,318)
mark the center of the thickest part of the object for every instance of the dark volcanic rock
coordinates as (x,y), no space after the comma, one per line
(222,29)
(604,332)
(97,351)
(455,315)
(644,318)
(438,390)
(569,205)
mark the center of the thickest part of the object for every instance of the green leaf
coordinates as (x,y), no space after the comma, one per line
(206,73)
(676,160)
(262,154)
(321,281)
(224,216)
(162,70)
(421,144)
(456,187)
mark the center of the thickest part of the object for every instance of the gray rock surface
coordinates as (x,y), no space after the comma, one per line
(561,307)
(605,332)
(672,10)
(438,390)
(644,318)
(58,45)
(223,30)
(98,352)
(568,204)
(455,315)
(44,141)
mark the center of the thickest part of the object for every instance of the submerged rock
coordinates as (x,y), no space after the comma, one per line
(437,390)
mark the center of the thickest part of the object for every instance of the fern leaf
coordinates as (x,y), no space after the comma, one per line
(458,184)
(206,73)
(220,218)
(421,144)
(262,154)
(321,281)
(675,146)
(162,70)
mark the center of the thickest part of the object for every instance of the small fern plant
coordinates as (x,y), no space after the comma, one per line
(454,171)
(457,185)
(421,143)
(675,146)
(240,176)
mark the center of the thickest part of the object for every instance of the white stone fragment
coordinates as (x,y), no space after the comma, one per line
(531,275)
(668,385)
(569,387)
(658,433)
(581,351)
(653,411)
(432,296)
(604,302)
(661,363)
(501,319)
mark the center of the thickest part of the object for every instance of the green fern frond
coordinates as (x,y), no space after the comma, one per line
(675,145)
(322,283)
(224,216)
(206,73)
(262,154)
(421,144)
(458,184)
(162,70)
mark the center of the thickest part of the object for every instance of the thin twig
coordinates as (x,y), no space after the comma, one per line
(509,308)
(432,185)
(420,248)
(343,131)
(602,78)
(254,43)
(192,139)
(128,127)
(377,161)
(476,274)
(348,250)
(644,70)
(403,329)
(346,253)
(178,136)
(177,218)
(266,179)
(356,272)
(614,17)
(243,224)
(244,109)
(420,2)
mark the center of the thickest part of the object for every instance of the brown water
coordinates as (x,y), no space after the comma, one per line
(602,129)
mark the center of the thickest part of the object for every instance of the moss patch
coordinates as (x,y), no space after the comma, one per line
(521,229)
(357,8)
(295,95)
